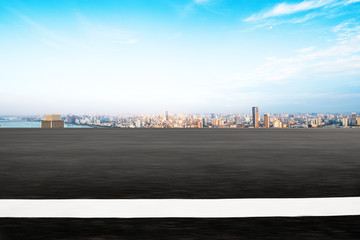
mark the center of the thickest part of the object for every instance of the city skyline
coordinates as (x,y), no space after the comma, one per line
(188,120)
(164,113)
(184,56)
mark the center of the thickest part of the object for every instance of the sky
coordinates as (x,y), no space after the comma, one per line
(189,56)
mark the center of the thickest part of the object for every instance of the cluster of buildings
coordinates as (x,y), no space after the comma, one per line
(211,120)
(352,120)
(303,120)
(236,120)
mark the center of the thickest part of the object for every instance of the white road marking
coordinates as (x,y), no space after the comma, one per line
(199,208)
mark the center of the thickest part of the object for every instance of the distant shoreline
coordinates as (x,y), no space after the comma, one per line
(34,124)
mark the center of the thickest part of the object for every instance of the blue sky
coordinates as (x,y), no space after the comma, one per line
(184,56)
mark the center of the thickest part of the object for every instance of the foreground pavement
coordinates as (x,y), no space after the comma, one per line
(309,228)
(179,163)
(170,164)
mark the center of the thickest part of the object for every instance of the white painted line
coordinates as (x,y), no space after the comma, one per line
(200,208)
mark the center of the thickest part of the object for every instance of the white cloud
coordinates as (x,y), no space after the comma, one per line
(190,7)
(347,29)
(90,34)
(306,18)
(201,1)
(47,36)
(306,50)
(131,41)
(289,8)
(101,32)
(340,60)
(351,1)
(292,8)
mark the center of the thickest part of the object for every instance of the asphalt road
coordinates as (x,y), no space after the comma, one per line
(179,163)
(309,228)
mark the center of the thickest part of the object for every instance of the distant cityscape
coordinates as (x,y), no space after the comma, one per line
(212,120)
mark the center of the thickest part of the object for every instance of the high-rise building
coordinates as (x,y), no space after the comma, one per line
(266,120)
(167,115)
(345,122)
(353,119)
(137,123)
(198,123)
(237,120)
(52,121)
(70,119)
(255,117)
(204,122)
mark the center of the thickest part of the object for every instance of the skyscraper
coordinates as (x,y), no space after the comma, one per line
(204,122)
(167,115)
(353,119)
(255,117)
(345,122)
(266,120)
(198,123)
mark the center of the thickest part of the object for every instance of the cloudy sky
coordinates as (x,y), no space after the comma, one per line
(196,56)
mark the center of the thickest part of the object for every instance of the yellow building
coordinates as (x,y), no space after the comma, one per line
(277,123)
(198,123)
(52,121)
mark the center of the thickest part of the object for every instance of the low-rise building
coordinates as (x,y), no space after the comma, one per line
(52,121)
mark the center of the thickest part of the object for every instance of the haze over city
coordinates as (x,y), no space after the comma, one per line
(191,56)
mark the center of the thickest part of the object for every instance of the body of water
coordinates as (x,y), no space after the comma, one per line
(27,124)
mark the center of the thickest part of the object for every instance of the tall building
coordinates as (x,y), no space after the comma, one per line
(70,119)
(52,121)
(353,119)
(266,120)
(277,123)
(198,123)
(167,115)
(255,117)
(204,122)
(345,122)
(237,120)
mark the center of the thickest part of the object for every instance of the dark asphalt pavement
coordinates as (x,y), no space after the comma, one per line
(179,163)
(309,228)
